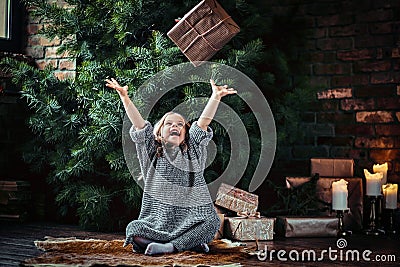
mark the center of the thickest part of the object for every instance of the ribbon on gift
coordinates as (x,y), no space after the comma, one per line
(201,35)
(247,214)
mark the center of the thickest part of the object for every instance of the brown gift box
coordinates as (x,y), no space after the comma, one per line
(249,229)
(236,199)
(352,219)
(292,226)
(203,31)
(326,167)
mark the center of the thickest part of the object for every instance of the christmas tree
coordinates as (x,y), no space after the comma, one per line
(78,123)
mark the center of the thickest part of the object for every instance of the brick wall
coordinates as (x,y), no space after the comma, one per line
(353,53)
(44,51)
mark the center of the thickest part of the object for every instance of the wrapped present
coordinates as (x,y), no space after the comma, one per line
(296,226)
(326,167)
(249,229)
(236,199)
(353,220)
(220,232)
(203,31)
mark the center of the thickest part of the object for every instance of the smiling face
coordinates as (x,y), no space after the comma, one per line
(173,129)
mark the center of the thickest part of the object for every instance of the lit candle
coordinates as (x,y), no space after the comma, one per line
(339,195)
(390,195)
(373,183)
(383,169)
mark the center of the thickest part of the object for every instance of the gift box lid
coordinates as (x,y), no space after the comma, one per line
(332,167)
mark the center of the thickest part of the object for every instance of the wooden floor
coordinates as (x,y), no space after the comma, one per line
(17,244)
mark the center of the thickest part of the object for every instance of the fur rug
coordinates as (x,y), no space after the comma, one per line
(78,252)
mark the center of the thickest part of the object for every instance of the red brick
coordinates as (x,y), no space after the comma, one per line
(364,66)
(307,152)
(327,105)
(356,54)
(322,81)
(397,142)
(64,75)
(335,141)
(320,33)
(375,90)
(321,57)
(380,142)
(335,20)
(379,53)
(44,63)
(374,117)
(396,65)
(51,52)
(388,103)
(373,41)
(397,166)
(380,28)
(396,52)
(357,104)
(354,129)
(335,117)
(378,78)
(387,130)
(323,69)
(42,41)
(67,64)
(354,80)
(335,93)
(34,28)
(338,31)
(384,154)
(375,15)
(35,52)
(347,152)
(335,44)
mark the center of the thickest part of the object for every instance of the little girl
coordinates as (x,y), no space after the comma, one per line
(177,212)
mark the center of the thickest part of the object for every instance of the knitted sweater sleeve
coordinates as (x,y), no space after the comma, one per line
(145,146)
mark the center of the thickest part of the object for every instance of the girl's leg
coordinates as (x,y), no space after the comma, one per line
(197,237)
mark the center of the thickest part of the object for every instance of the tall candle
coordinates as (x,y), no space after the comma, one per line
(339,195)
(373,183)
(383,169)
(390,195)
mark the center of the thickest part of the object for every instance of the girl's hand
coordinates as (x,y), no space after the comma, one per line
(122,90)
(220,91)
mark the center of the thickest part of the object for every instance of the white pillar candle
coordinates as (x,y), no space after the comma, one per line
(383,169)
(339,195)
(390,195)
(373,183)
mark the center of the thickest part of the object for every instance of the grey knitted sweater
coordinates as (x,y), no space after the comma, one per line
(176,204)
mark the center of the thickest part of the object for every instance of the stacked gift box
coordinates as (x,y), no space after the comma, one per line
(325,222)
(15,200)
(247,225)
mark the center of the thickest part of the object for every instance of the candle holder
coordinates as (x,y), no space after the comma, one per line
(340,216)
(372,226)
(390,229)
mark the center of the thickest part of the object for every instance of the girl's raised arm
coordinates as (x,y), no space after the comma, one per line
(218,91)
(133,114)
